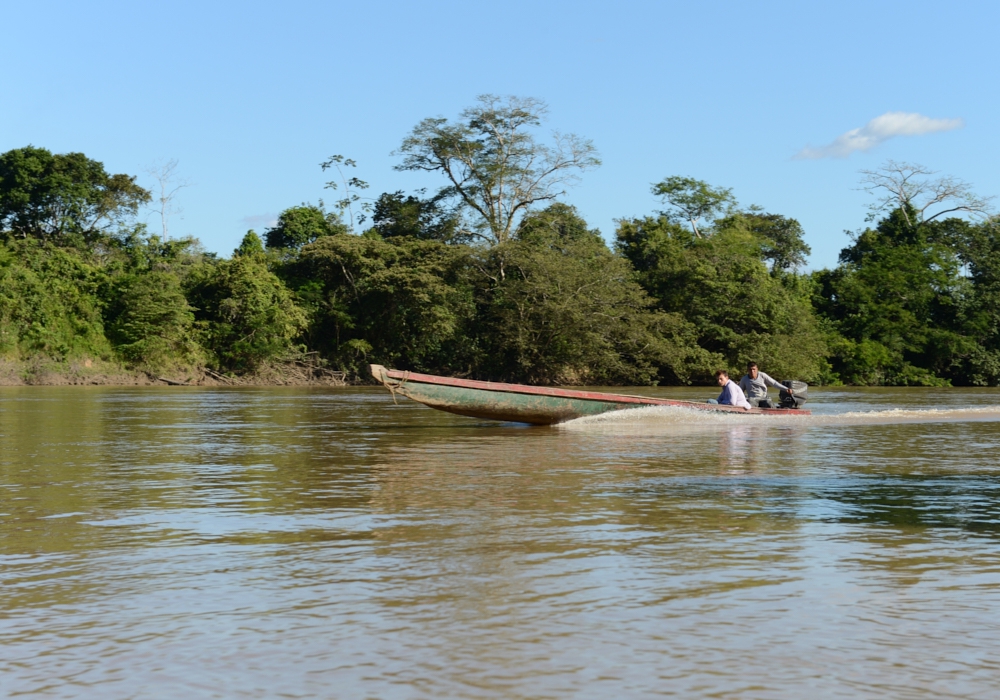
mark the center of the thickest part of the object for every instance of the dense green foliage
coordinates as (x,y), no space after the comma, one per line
(50,302)
(299,226)
(246,315)
(151,321)
(398,300)
(50,196)
(538,297)
(904,312)
(740,310)
(556,305)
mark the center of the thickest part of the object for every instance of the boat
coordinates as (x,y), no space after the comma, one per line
(539,405)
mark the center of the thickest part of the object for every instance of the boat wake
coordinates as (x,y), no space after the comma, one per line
(654,416)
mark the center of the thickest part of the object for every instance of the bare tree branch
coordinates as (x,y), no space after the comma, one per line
(167,187)
(909,188)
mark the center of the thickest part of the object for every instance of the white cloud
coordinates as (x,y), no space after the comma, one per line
(256,221)
(878,130)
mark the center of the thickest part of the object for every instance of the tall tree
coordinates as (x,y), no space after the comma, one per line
(494,165)
(981,255)
(150,322)
(49,301)
(398,301)
(693,200)
(351,188)
(913,297)
(48,196)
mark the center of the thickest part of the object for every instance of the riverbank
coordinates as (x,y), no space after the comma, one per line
(90,372)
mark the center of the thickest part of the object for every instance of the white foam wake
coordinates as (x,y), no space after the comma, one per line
(659,416)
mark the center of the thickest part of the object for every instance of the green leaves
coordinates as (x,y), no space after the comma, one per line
(566,310)
(49,302)
(352,186)
(301,225)
(396,215)
(495,168)
(250,246)
(914,300)
(693,200)
(246,315)
(398,301)
(151,324)
(53,196)
(722,287)
(780,237)
(900,302)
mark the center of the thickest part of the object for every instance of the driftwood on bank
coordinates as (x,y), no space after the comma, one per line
(220,377)
(173,382)
(306,368)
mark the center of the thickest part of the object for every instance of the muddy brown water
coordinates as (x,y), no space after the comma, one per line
(326,543)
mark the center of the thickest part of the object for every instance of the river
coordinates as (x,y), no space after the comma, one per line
(327,543)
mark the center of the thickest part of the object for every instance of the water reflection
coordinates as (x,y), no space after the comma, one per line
(253,543)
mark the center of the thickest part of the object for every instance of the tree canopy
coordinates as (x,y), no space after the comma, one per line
(298,226)
(493,277)
(693,200)
(494,166)
(49,196)
(396,214)
(722,286)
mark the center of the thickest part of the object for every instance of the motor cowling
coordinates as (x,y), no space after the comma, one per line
(798,395)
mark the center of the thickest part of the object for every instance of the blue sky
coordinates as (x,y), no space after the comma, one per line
(251,97)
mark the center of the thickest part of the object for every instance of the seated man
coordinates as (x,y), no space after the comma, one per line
(754,385)
(731,394)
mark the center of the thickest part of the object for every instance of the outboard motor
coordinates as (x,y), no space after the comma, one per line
(796,399)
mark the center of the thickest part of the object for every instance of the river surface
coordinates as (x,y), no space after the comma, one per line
(303,543)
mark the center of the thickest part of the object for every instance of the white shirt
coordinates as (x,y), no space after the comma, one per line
(732,395)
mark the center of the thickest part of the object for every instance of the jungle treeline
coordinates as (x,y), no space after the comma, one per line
(493,277)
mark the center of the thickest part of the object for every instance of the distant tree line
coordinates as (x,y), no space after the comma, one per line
(493,277)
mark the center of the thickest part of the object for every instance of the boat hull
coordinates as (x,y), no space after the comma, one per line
(527,404)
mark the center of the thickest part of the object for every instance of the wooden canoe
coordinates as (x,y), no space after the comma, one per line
(520,403)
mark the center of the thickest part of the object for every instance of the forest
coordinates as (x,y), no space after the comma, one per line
(492,276)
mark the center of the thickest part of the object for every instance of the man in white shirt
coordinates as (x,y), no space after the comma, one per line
(755,383)
(731,394)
